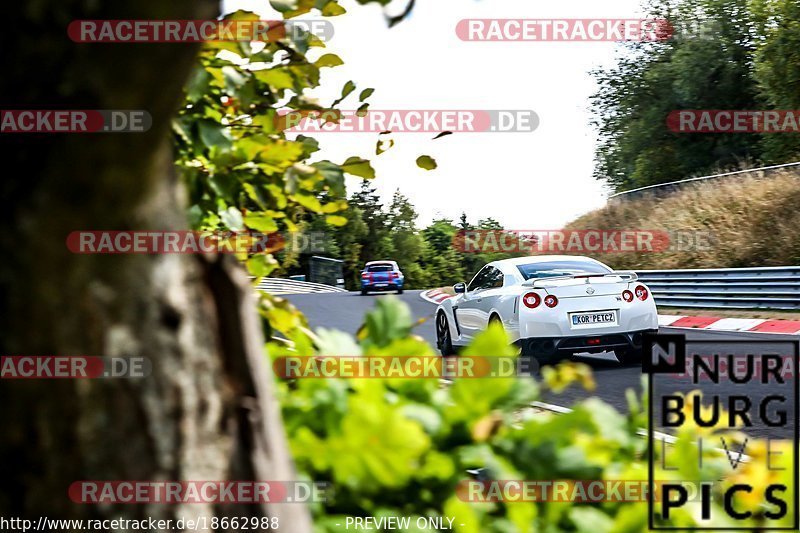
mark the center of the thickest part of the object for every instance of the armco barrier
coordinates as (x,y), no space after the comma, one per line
(726,288)
(290,286)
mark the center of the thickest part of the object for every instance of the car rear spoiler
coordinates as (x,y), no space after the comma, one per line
(625,275)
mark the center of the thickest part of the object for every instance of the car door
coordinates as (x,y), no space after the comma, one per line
(492,285)
(470,309)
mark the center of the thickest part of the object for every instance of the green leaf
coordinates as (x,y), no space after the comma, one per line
(213,134)
(182,127)
(332,341)
(283,6)
(308,201)
(310,144)
(233,79)
(198,85)
(426,162)
(261,265)
(336,220)
(278,78)
(332,9)
(590,520)
(383,145)
(195,216)
(366,93)
(266,121)
(348,88)
(260,222)
(358,167)
(389,321)
(333,174)
(282,152)
(328,60)
(232,219)
(242,14)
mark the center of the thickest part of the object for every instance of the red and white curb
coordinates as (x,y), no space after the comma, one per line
(435,296)
(710,323)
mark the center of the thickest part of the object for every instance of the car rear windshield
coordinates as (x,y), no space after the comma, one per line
(380,268)
(560,268)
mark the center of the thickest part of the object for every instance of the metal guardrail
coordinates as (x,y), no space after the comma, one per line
(289,286)
(663,188)
(726,288)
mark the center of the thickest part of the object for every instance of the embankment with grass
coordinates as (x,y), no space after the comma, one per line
(752,222)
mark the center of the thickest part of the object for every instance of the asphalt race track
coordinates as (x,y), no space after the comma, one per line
(345,311)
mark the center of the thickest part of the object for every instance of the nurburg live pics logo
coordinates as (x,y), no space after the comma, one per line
(748,386)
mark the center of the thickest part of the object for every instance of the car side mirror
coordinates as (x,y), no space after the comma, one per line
(460,288)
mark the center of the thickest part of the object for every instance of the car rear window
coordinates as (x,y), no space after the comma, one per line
(380,268)
(559,268)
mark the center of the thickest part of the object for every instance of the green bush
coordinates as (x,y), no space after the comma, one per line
(401,447)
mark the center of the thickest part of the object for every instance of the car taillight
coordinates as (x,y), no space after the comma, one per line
(641,293)
(627,296)
(395,275)
(364,275)
(531,300)
(550,300)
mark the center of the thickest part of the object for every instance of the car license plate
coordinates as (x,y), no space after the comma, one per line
(381,284)
(593,319)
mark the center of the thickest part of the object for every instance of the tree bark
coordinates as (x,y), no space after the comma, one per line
(207,411)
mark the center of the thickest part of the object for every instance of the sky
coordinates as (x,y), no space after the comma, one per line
(536,180)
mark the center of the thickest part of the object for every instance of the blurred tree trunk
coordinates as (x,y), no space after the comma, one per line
(207,411)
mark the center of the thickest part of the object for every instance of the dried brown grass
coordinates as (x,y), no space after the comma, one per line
(753,221)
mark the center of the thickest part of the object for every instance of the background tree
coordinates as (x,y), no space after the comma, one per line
(407,243)
(708,64)
(777,67)
(375,243)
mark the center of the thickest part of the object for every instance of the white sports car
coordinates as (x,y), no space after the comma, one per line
(552,306)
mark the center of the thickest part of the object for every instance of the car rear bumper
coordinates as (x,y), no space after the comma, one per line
(565,346)
(387,287)
(554,323)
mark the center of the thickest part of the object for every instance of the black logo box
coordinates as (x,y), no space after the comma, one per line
(679,366)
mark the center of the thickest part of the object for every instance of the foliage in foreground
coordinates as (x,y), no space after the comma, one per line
(400,447)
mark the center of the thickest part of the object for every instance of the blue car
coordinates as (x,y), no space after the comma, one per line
(381,276)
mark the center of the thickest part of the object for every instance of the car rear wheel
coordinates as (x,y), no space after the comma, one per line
(399,291)
(443,340)
(629,356)
(363,292)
